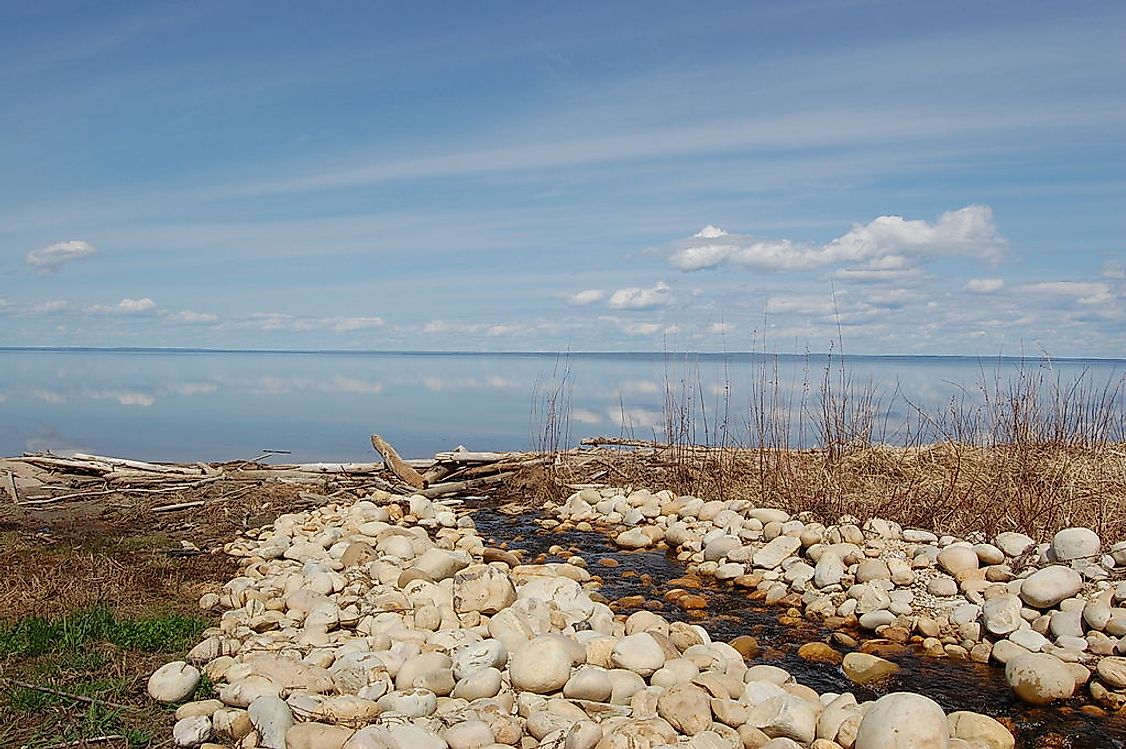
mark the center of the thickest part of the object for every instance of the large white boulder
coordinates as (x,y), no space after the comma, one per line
(1039,678)
(542,665)
(903,720)
(173,682)
(1075,543)
(1047,587)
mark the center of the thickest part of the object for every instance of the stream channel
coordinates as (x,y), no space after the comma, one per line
(955,685)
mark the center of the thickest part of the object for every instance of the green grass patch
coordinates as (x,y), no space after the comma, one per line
(37,636)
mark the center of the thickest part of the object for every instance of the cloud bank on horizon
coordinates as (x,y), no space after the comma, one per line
(525,178)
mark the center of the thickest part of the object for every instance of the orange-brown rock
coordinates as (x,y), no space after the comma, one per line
(746,645)
(819,652)
(491,554)
(882,647)
(692,601)
(630,602)
(895,634)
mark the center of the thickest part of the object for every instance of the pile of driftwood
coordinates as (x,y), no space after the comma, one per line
(36,479)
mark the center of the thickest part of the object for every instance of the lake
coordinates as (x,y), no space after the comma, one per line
(223,405)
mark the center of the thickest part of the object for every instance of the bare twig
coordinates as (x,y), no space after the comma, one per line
(41,500)
(177,507)
(70,695)
(84,742)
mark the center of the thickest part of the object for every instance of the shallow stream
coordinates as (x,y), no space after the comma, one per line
(955,685)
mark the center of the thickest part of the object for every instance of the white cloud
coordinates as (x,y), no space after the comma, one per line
(51,307)
(585,416)
(47,260)
(636,418)
(1082,292)
(634,297)
(191,388)
(984,285)
(642,328)
(878,275)
(275,321)
(349,324)
(503,329)
(143,306)
(279,321)
(888,244)
(710,232)
(586,297)
(187,317)
(1111,269)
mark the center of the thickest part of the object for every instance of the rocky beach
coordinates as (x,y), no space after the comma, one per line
(392,622)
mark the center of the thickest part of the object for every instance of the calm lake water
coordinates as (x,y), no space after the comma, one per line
(201,405)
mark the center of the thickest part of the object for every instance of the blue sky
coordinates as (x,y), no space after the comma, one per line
(913,178)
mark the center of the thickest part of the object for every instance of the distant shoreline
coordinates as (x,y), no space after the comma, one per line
(640,355)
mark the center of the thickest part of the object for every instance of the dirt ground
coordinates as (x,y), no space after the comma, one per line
(111,557)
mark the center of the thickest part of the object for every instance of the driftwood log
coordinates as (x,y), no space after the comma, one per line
(397,465)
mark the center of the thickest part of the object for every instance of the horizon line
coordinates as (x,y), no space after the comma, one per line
(516,352)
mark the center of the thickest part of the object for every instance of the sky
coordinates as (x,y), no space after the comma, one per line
(882,177)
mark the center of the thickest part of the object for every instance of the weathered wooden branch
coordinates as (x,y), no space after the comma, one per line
(470,456)
(622,442)
(137,465)
(397,465)
(12,487)
(454,487)
(438,472)
(178,506)
(41,500)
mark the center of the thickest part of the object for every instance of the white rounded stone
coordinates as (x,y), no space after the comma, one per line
(1047,587)
(191,731)
(272,718)
(173,682)
(1039,678)
(541,665)
(1075,543)
(639,653)
(903,720)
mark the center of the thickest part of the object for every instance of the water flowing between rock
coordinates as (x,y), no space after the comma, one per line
(955,685)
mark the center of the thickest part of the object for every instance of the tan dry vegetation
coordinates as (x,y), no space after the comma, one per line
(1027,449)
(947,487)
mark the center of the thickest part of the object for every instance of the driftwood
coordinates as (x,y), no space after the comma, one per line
(137,465)
(397,465)
(179,506)
(461,455)
(456,487)
(38,479)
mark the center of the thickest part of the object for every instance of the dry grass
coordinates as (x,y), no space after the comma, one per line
(1026,450)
